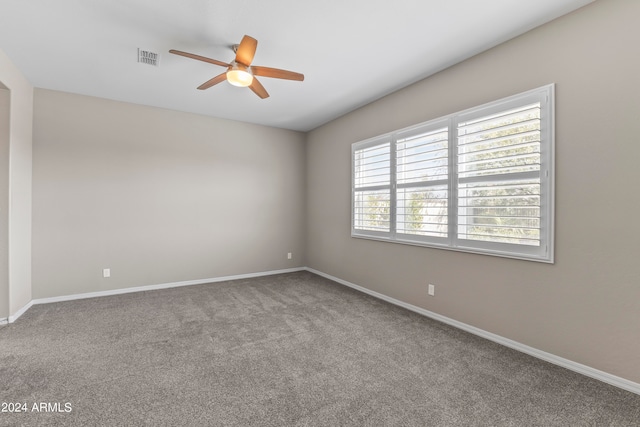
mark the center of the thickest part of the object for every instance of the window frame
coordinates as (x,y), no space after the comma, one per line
(545,95)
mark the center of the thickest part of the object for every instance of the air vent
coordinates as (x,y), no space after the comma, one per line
(148,57)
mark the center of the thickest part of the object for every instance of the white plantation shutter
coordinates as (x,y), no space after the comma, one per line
(479,181)
(422,189)
(372,188)
(504,171)
(499,177)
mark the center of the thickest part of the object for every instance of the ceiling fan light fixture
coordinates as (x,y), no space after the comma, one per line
(239,75)
(240,72)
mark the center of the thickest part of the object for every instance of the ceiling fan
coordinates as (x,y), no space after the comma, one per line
(240,72)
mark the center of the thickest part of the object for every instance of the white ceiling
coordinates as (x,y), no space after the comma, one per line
(350,51)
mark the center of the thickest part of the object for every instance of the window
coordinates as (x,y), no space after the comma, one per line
(478,181)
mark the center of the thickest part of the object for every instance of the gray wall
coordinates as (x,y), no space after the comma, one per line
(585,307)
(19,186)
(158,196)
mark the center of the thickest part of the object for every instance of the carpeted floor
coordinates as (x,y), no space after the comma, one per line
(291,349)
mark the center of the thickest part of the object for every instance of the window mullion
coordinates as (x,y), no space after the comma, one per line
(453,182)
(393,196)
(419,184)
(514,176)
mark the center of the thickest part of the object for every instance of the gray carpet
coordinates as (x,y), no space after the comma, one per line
(292,349)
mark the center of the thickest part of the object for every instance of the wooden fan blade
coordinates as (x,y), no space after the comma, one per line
(214,81)
(199,58)
(246,50)
(258,89)
(277,73)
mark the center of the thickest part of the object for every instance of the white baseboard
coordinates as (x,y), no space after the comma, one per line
(19,313)
(120,291)
(551,358)
(4,320)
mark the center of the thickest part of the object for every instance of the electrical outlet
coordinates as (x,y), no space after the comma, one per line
(289,255)
(432,290)
(106,272)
